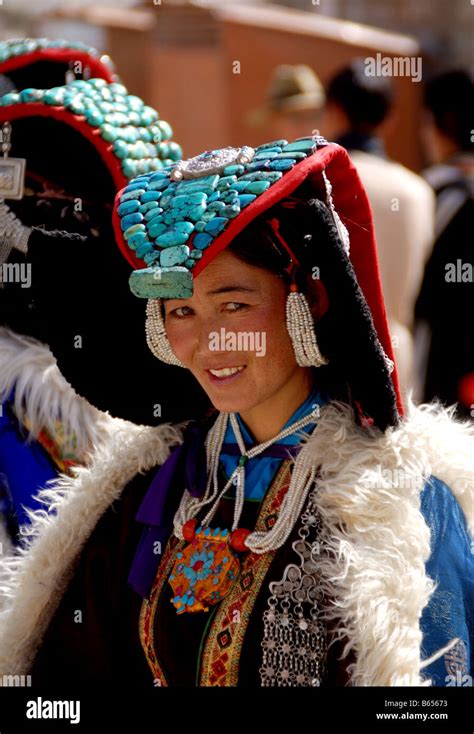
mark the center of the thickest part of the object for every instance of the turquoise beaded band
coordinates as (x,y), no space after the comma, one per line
(139,139)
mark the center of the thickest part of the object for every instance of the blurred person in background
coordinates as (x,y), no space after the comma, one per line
(357,111)
(293,103)
(445,344)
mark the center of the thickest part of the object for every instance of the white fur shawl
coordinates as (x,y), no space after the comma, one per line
(369,496)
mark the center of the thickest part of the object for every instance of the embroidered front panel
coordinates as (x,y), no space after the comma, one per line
(148,610)
(221,655)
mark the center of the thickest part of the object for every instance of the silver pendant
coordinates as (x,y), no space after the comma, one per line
(12,178)
(294,644)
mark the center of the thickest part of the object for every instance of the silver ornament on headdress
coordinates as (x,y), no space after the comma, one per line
(211,162)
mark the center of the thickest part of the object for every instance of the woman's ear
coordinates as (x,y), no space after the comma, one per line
(317,296)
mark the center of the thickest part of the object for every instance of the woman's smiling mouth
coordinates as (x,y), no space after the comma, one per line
(225,374)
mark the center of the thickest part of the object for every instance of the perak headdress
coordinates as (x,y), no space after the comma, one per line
(172,223)
(77,144)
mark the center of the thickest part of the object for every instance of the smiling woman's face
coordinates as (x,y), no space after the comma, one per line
(238,298)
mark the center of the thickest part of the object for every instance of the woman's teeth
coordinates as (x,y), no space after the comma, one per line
(226,371)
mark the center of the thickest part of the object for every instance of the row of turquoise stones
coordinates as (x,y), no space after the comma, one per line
(20,46)
(158,216)
(140,140)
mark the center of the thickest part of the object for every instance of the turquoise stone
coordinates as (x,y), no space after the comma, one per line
(202,240)
(120,149)
(231,211)
(166,200)
(234,169)
(158,184)
(150,206)
(258,165)
(11,98)
(132,195)
(31,95)
(155,229)
(143,249)
(135,103)
(109,132)
(295,155)
(230,196)
(283,165)
(135,184)
(207,216)
(131,219)
(188,202)
(240,186)
(148,116)
(118,88)
(246,199)
(94,117)
(133,230)
(151,196)
(273,144)
(175,151)
(143,166)
(189,263)
(200,226)
(129,168)
(162,282)
(152,258)
(55,96)
(226,182)
(178,234)
(154,213)
(166,130)
(196,254)
(216,206)
(271,176)
(264,156)
(163,150)
(258,187)
(206,184)
(158,282)
(307,145)
(215,226)
(213,197)
(137,239)
(133,118)
(265,152)
(158,176)
(128,208)
(174,256)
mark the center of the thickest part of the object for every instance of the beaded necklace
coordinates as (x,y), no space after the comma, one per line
(206,568)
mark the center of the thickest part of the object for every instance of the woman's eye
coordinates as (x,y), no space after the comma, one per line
(180,312)
(235,306)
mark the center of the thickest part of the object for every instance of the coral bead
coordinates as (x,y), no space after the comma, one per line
(189,530)
(237,540)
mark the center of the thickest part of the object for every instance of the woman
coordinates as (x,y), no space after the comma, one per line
(296,537)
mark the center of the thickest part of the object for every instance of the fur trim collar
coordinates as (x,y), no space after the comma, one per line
(41,392)
(34,580)
(375,540)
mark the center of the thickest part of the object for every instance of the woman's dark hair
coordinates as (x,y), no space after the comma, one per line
(357,372)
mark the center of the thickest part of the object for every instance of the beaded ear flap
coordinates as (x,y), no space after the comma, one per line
(156,334)
(299,320)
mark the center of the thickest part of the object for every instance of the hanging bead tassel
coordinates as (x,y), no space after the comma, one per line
(300,325)
(156,334)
